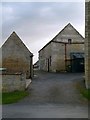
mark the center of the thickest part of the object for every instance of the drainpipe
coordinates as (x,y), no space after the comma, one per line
(31,67)
(65,55)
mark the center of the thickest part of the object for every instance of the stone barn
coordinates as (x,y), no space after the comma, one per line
(56,56)
(16,57)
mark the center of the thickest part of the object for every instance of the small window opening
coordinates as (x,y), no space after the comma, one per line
(69,41)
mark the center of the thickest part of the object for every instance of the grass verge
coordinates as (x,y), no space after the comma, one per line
(0,98)
(13,97)
(85,92)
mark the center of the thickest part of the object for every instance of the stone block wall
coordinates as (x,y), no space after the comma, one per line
(13,82)
(16,64)
(58,54)
(44,56)
(87,44)
(16,57)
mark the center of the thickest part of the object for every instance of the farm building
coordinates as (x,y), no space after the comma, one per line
(87,44)
(65,52)
(36,65)
(16,57)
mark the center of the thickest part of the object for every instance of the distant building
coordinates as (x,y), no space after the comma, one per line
(16,57)
(65,52)
(87,44)
(36,65)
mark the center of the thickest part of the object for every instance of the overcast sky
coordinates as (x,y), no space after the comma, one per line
(37,23)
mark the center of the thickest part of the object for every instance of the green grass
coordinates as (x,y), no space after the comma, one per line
(85,92)
(13,97)
(0,98)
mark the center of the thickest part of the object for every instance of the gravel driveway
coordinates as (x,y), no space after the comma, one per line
(52,95)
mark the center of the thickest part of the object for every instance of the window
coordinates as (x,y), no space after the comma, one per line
(69,41)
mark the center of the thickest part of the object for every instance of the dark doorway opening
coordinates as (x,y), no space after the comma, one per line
(77,65)
(77,62)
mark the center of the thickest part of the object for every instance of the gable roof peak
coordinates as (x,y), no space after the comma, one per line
(13,34)
(69,24)
(17,39)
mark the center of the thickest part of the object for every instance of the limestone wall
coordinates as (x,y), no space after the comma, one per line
(16,57)
(55,52)
(58,54)
(44,56)
(69,32)
(13,82)
(74,48)
(87,44)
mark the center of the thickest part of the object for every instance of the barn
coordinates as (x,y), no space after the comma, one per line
(58,55)
(16,57)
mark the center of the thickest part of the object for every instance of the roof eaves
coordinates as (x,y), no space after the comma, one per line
(60,33)
(77,31)
(54,37)
(31,54)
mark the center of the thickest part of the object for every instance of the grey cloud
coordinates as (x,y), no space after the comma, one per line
(35,11)
(37,22)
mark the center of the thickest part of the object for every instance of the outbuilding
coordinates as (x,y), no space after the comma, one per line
(55,56)
(16,57)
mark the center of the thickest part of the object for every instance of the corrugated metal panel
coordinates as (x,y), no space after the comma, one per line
(77,55)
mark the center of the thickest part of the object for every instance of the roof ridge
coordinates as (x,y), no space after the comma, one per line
(19,39)
(60,32)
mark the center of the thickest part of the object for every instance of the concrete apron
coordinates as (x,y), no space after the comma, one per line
(28,82)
